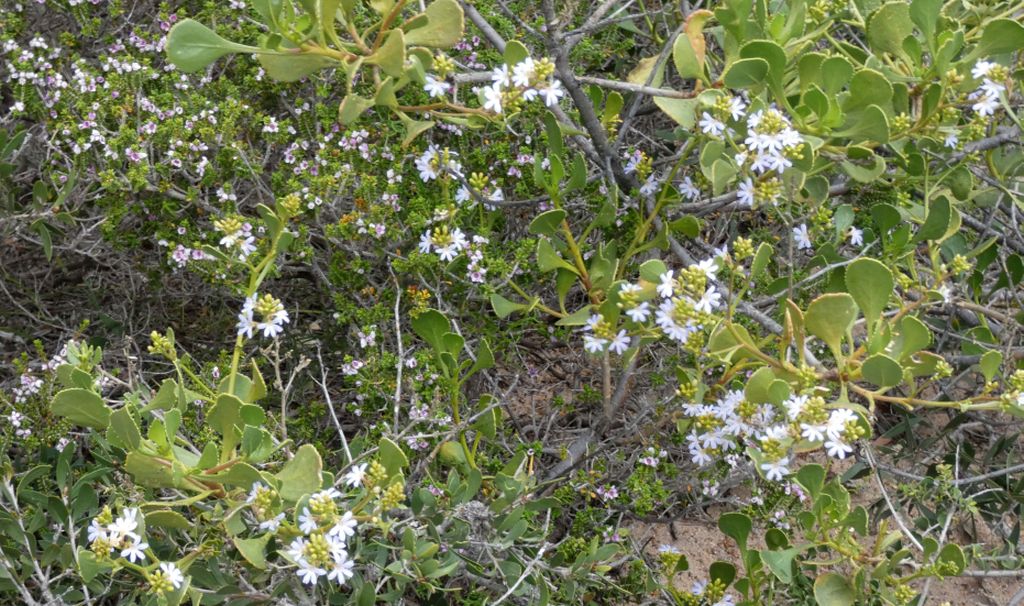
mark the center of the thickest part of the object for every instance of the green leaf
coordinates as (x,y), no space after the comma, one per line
(515,52)
(685,58)
(990,363)
(285,66)
(925,14)
(745,73)
(1001,36)
(89,567)
(831,589)
(241,475)
(484,359)
(865,172)
(687,225)
(168,519)
(444,26)
(871,125)
(682,111)
(812,478)
(149,472)
(123,425)
(868,87)
(503,308)
(736,526)
(191,46)
(413,128)
(781,562)
(548,258)
(870,283)
(577,318)
(81,407)
(835,73)
(431,326)
(253,550)
(761,259)
(392,457)
(353,106)
(882,371)
(937,222)
(391,55)
(830,317)
(301,475)
(888,26)
(953,555)
(547,223)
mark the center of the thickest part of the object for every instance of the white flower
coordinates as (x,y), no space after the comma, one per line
(668,284)
(594,344)
(134,552)
(952,140)
(276,324)
(309,573)
(838,449)
(500,76)
(795,406)
(551,93)
(296,549)
(813,433)
(650,186)
(688,189)
(665,319)
(345,527)
(307,521)
(522,73)
(981,69)
(640,313)
(492,98)
(709,267)
(776,470)
(272,524)
(355,476)
(856,236)
(987,105)
(126,524)
(737,107)
(96,530)
(426,164)
(745,194)
(947,293)
(620,343)
(802,238)
(425,242)
(341,571)
(710,125)
(172,573)
(837,422)
(709,301)
(435,87)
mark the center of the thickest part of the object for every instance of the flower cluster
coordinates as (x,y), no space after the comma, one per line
(687,302)
(734,422)
(322,551)
(436,162)
(108,535)
(986,96)
(273,314)
(444,242)
(237,236)
(525,82)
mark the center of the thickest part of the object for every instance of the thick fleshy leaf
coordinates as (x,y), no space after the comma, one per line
(870,283)
(442,25)
(81,407)
(301,475)
(830,317)
(191,46)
